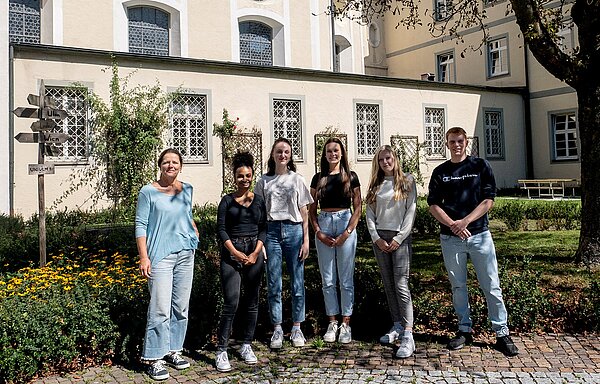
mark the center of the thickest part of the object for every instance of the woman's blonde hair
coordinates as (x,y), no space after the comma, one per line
(401,183)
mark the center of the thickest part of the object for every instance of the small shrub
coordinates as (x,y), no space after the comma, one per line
(511,212)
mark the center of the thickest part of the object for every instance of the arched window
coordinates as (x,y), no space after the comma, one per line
(256,43)
(24,21)
(148,31)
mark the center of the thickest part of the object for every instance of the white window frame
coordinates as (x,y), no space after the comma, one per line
(497,52)
(573,130)
(442,9)
(364,144)
(281,35)
(63,126)
(299,143)
(494,130)
(207,129)
(431,129)
(447,67)
(178,23)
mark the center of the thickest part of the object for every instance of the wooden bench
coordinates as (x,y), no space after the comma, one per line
(548,188)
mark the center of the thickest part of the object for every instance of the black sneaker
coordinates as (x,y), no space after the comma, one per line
(175,360)
(157,371)
(460,340)
(505,345)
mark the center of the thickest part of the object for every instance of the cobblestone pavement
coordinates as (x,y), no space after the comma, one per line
(542,359)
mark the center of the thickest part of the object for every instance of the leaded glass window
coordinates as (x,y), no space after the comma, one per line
(256,43)
(24,21)
(494,135)
(367,130)
(189,133)
(435,128)
(287,122)
(564,130)
(497,57)
(76,124)
(148,31)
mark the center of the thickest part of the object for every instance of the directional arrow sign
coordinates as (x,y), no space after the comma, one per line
(35,100)
(45,137)
(52,113)
(41,169)
(43,125)
(26,112)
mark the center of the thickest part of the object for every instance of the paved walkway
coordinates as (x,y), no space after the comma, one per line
(543,359)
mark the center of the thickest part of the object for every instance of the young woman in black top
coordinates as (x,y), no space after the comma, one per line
(241,221)
(335,190)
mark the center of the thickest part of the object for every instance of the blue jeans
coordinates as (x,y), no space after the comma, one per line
(395,272)
(170,286)
(284,241)
(480,249)
(337,263)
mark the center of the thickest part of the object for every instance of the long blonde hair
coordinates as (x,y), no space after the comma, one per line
(401,183)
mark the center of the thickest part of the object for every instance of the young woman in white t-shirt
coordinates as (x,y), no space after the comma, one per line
(391,205)
(287,199)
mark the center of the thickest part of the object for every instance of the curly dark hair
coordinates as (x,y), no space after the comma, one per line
(242,159)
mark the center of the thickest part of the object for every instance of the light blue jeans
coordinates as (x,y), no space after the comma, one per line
(480,249)
(284,240)
(337,263)
(170,286)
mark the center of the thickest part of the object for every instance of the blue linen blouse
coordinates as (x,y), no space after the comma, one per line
(166,221)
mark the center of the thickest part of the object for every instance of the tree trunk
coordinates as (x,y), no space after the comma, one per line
(589,130)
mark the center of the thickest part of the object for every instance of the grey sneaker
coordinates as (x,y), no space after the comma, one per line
(175,360)
(331,333)
(247,354)
(406,348)
(222,362)
(297,338)
(391,336)
(157,371)
(277,339)
(345,335)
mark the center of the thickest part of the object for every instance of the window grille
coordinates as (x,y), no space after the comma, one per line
(494,135)
(443,9)
(435,128)
(287,122)
(564,127)
(473,146)
(446,67)
(189,133)
(367,130)
(24,21)
(497,57)
(256,43)
(148,31)
(76,124)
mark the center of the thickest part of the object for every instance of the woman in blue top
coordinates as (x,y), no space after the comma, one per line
(242,223)
(166,238)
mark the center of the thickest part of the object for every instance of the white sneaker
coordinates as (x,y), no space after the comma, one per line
(222,362)
(391,336)
(406,348)
(277,339)
(331,332)
(297,338)
(345,335)
(247,354)
(157,371)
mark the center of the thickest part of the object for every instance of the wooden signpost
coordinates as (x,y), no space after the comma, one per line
(47,115)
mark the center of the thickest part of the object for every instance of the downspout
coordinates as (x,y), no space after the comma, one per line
(332,16)
(11,133)
(528,133)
